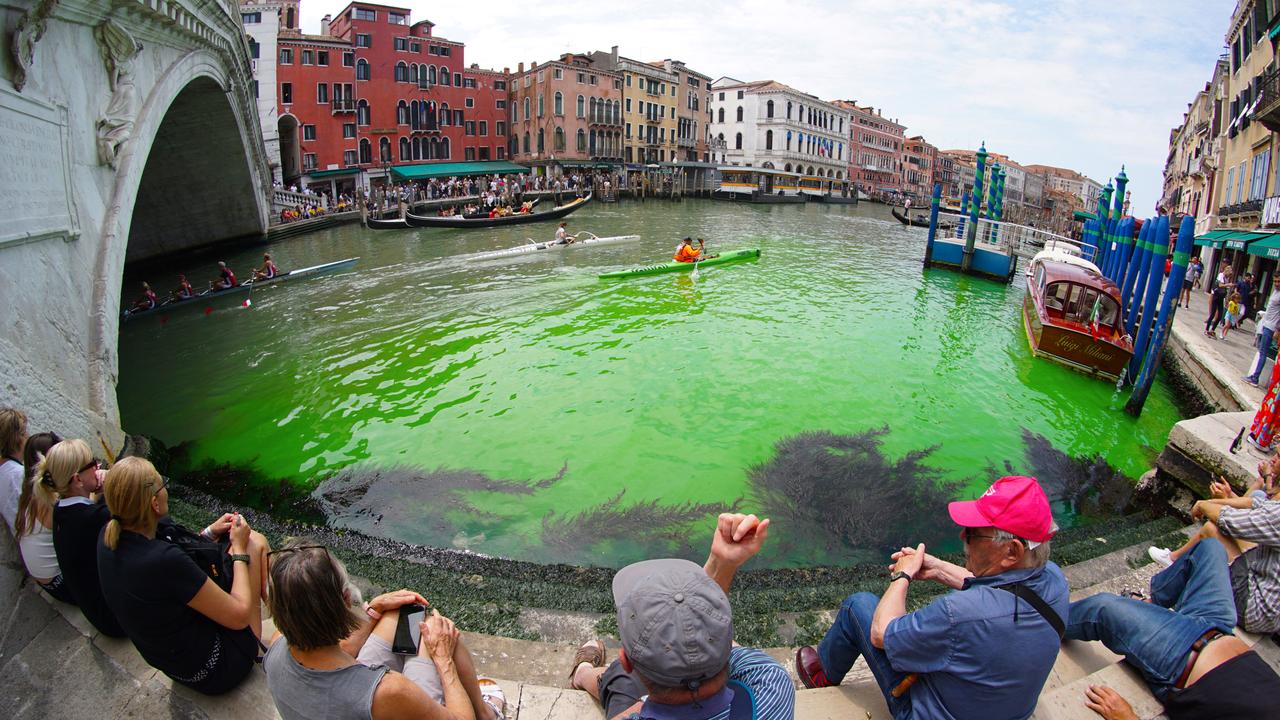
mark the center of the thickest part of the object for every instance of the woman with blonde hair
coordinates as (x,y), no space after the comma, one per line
(66,480)
(13,436)
(35,518)
(181,621)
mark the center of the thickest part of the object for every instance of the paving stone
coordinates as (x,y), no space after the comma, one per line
(850,701)
(550,703)
(25,618)
(1067,702)
(532,662)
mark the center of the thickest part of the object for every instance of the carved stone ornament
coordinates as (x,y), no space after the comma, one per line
(29,31)
(118,49)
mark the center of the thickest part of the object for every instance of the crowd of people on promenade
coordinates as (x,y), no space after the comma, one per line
(192,603)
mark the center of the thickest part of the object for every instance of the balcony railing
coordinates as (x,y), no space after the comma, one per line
(1267,111)
(343,105)
(686,142)
(1248,206)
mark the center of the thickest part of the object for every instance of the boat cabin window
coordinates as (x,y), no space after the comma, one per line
(1076,304)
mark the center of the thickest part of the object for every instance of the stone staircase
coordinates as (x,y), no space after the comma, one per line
(53,664)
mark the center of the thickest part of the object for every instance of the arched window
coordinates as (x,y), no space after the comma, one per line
(721,117)
(558,104)
(527,104)
(592,144)
(768,136)
(526,143)
(366,151)
(582,106)
(582,137)
(739,113)
(413,72)
(542,141)
(559,145)
(737,142)
(788,109)
(768,109)
(720,137)
(788,167)
(362,69)
(405,153)
(810,169)
(431,74)
(445,117)
(417,148)
(788,139)
(402,72)
(444,149)
(402,113)
(542,105)
(839,175)
(362,112)
(514,146)
(444,75)
(384,149)
(595,110)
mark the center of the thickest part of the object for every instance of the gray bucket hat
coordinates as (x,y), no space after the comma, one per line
(674,621)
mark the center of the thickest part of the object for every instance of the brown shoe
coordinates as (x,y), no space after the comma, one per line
(591,652)
(809,668)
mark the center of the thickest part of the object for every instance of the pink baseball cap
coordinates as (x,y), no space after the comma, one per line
(1015,504)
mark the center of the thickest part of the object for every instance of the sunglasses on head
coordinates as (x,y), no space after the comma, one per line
(94,463)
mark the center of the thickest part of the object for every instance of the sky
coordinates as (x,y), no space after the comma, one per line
(1085,84)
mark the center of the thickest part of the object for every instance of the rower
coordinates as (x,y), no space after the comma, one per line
(184,290)
(147,301)
(686,253)
(226,278)
(562,235)
(268,269)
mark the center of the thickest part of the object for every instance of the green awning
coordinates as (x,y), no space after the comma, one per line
(586,164)
(455,169)
(1273,31)
(1240,240)
(317,174)
(1268,246)
(1214,238)
(1082,215)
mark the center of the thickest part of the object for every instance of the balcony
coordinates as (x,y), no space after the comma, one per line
(1267,111)
(599,118)
(343,105)
(686,142)
(1248,207)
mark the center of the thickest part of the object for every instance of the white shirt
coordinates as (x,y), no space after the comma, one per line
(38,553)
(1271,318)
(11,473)
(560,234)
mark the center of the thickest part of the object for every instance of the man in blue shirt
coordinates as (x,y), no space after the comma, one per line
(984,650)
(678,661)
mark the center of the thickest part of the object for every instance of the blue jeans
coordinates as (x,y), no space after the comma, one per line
(1264,346)
(849,637)
(1188,598)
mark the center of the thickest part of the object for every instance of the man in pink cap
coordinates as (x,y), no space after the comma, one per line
(983,650)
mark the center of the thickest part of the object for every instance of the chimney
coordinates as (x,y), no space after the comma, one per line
(324,24)
(506,71)
(533,65)
(520,68)
(613,55)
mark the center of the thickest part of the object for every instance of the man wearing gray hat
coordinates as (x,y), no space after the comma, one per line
(678,660)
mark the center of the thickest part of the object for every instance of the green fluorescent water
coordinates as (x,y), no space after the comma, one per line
(665,387)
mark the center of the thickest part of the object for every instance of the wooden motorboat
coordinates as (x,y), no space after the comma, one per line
(1074,316)
(456,221)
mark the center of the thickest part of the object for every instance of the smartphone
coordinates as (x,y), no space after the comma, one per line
(407,630)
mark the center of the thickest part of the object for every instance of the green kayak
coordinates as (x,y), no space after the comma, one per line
(673,266)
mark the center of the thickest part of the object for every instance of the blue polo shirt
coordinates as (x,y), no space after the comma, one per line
(769,687)
(980,652)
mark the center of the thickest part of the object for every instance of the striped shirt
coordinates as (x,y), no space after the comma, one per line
(1259,524)
(773,696)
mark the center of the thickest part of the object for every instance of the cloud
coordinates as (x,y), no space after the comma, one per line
(1087,84)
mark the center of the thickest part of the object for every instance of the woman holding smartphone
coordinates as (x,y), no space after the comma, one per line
(182,622)
(329,659)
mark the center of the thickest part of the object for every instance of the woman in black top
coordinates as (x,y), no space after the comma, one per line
(180,620)
(66,479)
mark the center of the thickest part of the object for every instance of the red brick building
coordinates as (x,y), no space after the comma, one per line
(876,149)
(373,91)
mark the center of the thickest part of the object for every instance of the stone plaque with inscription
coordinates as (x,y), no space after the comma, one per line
(35,166)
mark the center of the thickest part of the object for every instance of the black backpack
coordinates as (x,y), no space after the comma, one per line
(211,557)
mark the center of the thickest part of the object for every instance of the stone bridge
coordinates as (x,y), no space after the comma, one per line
(128,129)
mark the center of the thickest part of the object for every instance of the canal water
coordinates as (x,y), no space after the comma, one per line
(526,409)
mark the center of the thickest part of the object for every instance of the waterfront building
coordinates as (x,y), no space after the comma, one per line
(1191,167)
(1084,188)
(693,112)
(263,20)
(373,90)
(770,125)
(944,174)
(650,96)
(566,114)
(919,158)
(1247,145)
(876,147)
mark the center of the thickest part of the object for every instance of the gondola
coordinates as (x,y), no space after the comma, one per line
(427,221)
(400,223)
(913,222)
(244,287)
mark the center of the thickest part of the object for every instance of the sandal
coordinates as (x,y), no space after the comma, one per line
(493,696)
(591,652)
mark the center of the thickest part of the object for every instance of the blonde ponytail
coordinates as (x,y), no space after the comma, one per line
(53,473)
(130,484)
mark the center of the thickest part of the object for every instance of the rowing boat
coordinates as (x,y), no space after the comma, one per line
(244,287)
(673,266)
(538,246)
(514,219)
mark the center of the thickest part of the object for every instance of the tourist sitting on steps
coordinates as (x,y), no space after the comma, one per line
(35,518)
(67,479)
(181,621)
(1189,658)
(1248,530)
(678,660)
(13,438)
(984,650)
(329,659)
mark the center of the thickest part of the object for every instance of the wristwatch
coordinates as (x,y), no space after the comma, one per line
(900,575)
(240,558)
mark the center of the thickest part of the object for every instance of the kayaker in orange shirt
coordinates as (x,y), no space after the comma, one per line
(686,253)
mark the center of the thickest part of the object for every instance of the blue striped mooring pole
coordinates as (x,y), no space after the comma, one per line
(1173,289)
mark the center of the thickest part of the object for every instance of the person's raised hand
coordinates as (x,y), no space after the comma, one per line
(439,637)
(239,534)
(387,602)
(910,561)
(219,527)
(738,538)
(928,564)
(1108,703)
